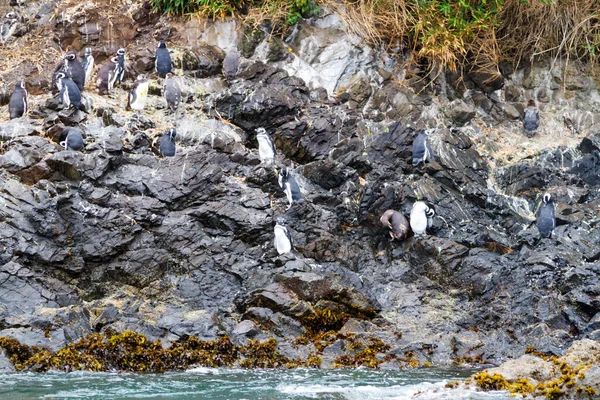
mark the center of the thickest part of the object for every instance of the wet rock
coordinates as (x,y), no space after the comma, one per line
(527,366)
(6,366)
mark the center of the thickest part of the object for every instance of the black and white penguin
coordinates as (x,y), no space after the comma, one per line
(231,64)
(88,63)
(546,221)
(288,183)
(172,92)
(138,94)
(121,70)
(397,223)
(17,106)
(107,75)
(531,119)
(421,150)
(74,70)
(283,238)
(163,64)
(266,147)
(421,218)
(73,139)
(70,95)
(8,27)
(167,143)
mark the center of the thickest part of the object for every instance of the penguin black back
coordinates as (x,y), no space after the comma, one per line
(17,105)
(74,70)
(546,221)
(167,143)
(73,139)
(531,119)
(172,92)
(231,64)
(121,69)
(163,64)
(421,151)
(107,75)
(69,92)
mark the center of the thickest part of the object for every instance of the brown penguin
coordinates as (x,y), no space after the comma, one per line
(396,223)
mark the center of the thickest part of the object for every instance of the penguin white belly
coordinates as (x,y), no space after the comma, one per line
(288,192)
(264,151)
(418,223)
(65,97)
(282,242)
(140,100)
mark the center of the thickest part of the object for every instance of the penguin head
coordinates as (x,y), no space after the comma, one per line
(60,75)
(169,75)
(531,103)
(11,15)
(162,45)
(547,198)
(172,133)
(141,77)
(121,52)
(284,172)
(430,212)
(280,221)
(114,60)
(20,84)
(70,56)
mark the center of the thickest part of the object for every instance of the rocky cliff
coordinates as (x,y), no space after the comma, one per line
(114,238)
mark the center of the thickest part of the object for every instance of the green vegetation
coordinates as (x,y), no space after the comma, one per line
(456,34)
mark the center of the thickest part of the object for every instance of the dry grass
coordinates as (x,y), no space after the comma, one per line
(473,35)
(569,28)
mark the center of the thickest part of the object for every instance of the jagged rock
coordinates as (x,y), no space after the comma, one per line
(202,62)
(459,112)
(511,111)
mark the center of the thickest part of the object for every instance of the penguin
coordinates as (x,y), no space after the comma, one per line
(121,70)
(546,221)
(69,92)
(397,224)
(17,106)
(73,139)
(163,63)
(88,63)
(421,151)
(172,92)
(138,94)
(167,143)
(231,64)
(74,70)
(266,147)
(531,119)
(283,238)
(107,76)
(289,186)
(421,218)
(8,27)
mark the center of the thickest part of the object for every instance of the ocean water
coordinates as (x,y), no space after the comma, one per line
(228,384)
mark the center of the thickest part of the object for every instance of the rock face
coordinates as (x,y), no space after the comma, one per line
(115,238)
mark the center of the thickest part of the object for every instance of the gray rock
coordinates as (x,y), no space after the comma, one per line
(459,112)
